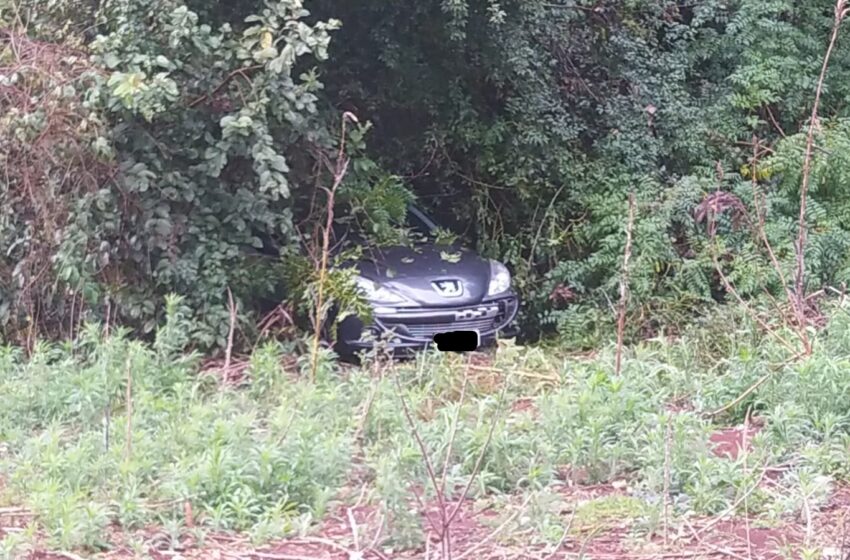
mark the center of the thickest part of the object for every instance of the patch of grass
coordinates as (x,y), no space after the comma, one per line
(272,458)
(258,459)
(606,509)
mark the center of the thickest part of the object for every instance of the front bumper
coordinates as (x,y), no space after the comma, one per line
(415,328)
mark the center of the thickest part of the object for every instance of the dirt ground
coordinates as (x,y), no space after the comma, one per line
(352,534)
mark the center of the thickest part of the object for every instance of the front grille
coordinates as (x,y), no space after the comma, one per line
(422,324)
(428,330)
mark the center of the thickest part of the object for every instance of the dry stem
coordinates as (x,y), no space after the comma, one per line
(668,441)
(800,327)
(340,169)
(624,284)
(799,280)
(128,437)
(228,353)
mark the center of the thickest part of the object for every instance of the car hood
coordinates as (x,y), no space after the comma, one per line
(412,272)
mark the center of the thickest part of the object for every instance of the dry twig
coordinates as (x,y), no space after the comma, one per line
(668,442)
(231,307)
(718,518)
(746,452)
(624,285)
(496,531)
(447,517)
(128,433)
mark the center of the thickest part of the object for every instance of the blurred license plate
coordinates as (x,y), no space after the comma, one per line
(458,341)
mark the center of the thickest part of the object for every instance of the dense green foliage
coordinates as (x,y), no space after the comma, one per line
(172,146)
(200,122)
(532,120)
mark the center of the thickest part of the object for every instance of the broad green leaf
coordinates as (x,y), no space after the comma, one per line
(265,54)
(450,257)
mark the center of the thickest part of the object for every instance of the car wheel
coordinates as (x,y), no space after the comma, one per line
(347,329)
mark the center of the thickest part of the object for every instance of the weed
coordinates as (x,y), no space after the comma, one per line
(240,464)
(622,509)
(272,459)
(16,545)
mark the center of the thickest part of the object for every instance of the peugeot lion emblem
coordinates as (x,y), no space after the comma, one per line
(448,288)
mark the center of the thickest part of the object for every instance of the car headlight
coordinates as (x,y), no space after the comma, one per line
(500,279)
(375,293)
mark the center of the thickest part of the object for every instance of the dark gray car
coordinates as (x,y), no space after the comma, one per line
(421,291)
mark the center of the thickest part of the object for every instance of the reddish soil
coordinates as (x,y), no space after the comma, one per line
(729,442)
(614,540)
(481,359)
(766,542)
(523,405)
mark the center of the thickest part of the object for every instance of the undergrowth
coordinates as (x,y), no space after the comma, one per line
(274,455)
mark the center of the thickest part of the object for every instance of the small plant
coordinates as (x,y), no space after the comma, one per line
(16,545)
(444,237)
(400,510)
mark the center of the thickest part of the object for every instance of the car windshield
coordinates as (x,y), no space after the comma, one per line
(420,228)
(419,223)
